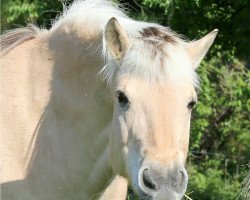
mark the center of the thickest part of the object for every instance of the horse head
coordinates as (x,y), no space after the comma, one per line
(152,78)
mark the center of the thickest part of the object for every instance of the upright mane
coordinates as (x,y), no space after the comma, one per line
(156,52)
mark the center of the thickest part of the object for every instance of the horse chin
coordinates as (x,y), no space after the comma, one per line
(167,195)
(160,195)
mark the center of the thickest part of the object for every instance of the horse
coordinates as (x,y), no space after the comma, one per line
(95,104)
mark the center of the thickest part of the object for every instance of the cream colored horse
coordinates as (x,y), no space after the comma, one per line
(67,134)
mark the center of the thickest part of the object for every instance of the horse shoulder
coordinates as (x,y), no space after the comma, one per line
(25,88)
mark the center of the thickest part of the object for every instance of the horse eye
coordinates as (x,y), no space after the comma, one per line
(191,105)
(122,99)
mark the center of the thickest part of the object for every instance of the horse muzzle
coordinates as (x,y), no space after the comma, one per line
(159,183)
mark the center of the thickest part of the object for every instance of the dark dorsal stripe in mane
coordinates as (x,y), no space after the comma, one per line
(153,32)
(15,37)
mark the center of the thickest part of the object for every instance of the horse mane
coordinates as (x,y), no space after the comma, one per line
(157,52)
(10,39)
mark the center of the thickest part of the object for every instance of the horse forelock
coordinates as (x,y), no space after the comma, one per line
(161,34)
(156,53)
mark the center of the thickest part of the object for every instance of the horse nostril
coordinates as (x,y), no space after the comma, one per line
(148,180)
(181,177)
(179,181)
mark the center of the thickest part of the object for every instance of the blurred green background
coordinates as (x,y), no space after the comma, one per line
(220,133)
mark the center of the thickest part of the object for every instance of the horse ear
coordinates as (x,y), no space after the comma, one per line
(116,39)
(198,49)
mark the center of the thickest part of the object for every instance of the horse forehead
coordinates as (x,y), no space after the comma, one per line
(139,87)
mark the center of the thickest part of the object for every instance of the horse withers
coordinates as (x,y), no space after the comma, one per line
(95,104)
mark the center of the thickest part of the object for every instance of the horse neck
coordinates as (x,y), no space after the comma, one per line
(76,121)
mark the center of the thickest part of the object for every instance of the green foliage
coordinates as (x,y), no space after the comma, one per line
(19,12)
(220,129)
(209,185)
(223,108)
